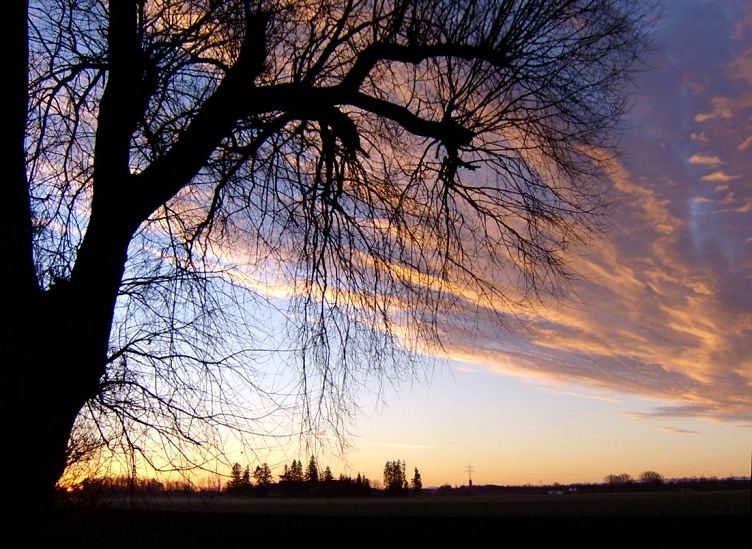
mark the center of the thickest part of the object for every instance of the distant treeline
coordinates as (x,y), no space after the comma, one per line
(297,483)
(672,485)
(123,484)
(344,486)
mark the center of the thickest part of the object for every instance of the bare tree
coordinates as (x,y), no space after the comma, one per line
(621,478)
(651,477)
(389,162)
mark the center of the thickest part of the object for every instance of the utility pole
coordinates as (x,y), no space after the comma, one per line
(469,470)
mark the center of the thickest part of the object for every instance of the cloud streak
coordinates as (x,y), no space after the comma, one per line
(701,160)
(679,431)
(720,177)
(653,319)
(663,309)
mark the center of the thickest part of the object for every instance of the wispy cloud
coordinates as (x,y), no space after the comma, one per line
(701,160)
(720,177)
(467,370)
(724,108)
(702,411)
(721,108)
(578,395)
(679,431)
(745,145)
(649,317)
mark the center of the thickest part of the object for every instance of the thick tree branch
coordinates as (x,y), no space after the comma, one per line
(447,131)
(218,115)
(312,103)
(236,98)
(123,100)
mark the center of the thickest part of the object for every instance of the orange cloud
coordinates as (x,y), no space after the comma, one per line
(719,176)
(641,321)
(722,108)
(712,161)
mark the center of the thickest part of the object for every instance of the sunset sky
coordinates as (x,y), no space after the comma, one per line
(647,363)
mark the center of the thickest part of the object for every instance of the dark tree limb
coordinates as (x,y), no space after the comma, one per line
(214,122)
(15,212)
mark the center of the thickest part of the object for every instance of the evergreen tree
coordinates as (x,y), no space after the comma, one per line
(263,475)
(395,482)
(328,477)
(239,479)
(235,476)
(312,472)
(417,482)
(296,471)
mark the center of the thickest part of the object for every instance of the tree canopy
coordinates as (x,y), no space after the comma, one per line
(174,165)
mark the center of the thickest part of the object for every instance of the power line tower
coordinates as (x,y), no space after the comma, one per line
(469,470)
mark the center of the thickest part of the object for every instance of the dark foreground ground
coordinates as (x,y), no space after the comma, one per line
(693,519)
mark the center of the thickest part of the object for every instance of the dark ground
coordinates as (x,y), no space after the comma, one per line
(694,519)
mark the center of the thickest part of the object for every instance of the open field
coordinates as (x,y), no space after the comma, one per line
(718,517)
(659,504)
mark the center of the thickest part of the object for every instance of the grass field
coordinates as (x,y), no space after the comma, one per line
(707,519)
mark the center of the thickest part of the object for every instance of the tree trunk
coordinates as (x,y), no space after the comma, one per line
(56,348)
(60,350)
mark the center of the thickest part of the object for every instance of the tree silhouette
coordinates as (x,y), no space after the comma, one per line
(293,473)
(312,471)
(240,479)
(389,163)
(621,478)
(395,478)
(328,477)
(417,482)
(651,477)
(262,475)
(296,471)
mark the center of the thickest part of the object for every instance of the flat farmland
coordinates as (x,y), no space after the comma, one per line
(650,504)
(716,518)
